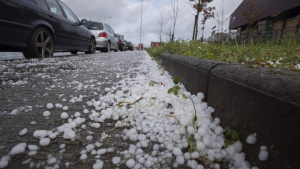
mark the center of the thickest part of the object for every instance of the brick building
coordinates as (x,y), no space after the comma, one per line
(281,20)
(156,44)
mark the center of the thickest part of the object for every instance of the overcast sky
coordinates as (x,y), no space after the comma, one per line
(126,17)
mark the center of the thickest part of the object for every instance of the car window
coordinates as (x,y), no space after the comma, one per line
(42,4)
(54,7)
(108,28)
(70,15)
(112,31)
(94,26)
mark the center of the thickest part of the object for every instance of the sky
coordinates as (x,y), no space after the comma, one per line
(124,16)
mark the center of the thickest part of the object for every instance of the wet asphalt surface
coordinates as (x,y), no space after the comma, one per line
(28,85)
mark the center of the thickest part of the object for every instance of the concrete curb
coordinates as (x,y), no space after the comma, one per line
(265,101)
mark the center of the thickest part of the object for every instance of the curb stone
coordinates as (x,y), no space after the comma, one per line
(261,100)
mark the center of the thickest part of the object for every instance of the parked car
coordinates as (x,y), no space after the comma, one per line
(130,46)
(105,36)
(40,27)
(122,43)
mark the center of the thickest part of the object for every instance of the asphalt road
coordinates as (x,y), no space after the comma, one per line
(26,86)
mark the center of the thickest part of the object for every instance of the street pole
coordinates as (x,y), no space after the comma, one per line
(140,46)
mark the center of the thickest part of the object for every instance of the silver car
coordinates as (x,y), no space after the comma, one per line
(105,36)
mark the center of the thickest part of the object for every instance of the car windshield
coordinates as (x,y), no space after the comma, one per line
(94,26)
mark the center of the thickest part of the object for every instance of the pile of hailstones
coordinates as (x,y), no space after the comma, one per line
(164,124)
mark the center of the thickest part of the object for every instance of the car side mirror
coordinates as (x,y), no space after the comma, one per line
(83,21)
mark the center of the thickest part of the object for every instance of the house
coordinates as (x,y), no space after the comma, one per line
(280,20)
(218,36)
(156,44)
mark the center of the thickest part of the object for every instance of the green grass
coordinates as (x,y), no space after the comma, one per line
(284,55)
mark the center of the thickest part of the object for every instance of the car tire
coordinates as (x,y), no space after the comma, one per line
(92,47)
(107,49)
(117,50)
(40,44)
(74,52)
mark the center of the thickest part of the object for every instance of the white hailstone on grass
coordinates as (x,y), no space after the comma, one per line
(32,153)
(254,167)
(200,166)
(89,138)
(65,108)
(26,161)
(218,130)
(49,106)
(101,151)
(130,163)
(184,121)
(33,123)
(51,160)
(200,145)
(3,164)
(22,132)
(177,151)
(202,131)
(142,137)
(5,158)
(238,157)
(64,115)
(62,146)
(263,154)
(116,160)
(251,139)
(44,141)
(19,148)
(77,114)
(190,130)
(33,147)
(46,114)
(180,159)
(238,146)
(83,157)
(195,155)
(95,125)
(98,165)
(231,150)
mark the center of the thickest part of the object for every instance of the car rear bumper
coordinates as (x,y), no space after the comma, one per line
(101,42)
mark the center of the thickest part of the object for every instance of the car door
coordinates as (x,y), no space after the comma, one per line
(110,35)
(114,39)
(80,36)
(11,32)
(61,25)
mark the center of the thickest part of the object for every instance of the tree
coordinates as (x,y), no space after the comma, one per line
(201,6)
(251,17)
(160,23)
(174,13)
(207,14)
(220,17)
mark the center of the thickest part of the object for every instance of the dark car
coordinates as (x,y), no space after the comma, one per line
(122,43)
(40,27)
(130,46)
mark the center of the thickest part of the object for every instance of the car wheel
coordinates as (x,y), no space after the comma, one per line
(107,49)
(74,52)
(92,47)
(117,50)
(40,44)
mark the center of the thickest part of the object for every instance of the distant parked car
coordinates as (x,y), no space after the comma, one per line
(105,36)
(40,27)
(130,46)
(122,43)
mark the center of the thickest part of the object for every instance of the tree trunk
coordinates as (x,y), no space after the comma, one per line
(194,28)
